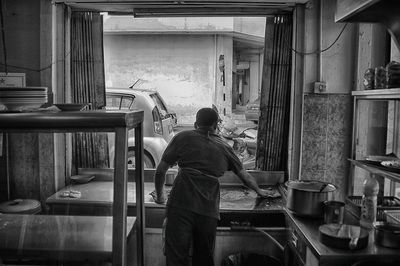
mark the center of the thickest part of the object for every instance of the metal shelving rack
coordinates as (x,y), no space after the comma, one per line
(373,95)
(98,121)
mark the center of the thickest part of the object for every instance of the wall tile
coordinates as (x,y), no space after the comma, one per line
(313,151)
(340,110)
(326,143)
(312,174)
(315,112)
(338,151)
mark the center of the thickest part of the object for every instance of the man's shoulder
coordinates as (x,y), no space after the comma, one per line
(185,134)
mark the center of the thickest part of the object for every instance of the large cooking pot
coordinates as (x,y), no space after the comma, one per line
(387,234)
(306,197)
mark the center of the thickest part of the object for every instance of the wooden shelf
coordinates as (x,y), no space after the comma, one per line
(386,94)
(100,120)
(376,170)
(369,11)
(72,238)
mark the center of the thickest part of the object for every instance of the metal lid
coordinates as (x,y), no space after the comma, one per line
(311,185)
(24,206)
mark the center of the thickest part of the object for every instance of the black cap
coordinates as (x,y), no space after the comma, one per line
(206,117)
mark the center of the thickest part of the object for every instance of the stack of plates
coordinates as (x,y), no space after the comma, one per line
(23,98)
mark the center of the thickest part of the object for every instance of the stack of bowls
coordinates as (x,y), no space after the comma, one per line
(23,98)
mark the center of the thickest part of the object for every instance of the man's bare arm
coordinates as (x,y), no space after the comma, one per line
(251,182)
(159,180)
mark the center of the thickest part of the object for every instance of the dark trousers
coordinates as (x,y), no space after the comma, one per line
(186,230)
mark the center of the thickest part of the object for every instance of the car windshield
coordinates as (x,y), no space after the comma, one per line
(160,104)
(116,102)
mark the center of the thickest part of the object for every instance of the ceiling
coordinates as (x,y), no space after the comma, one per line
(179,8)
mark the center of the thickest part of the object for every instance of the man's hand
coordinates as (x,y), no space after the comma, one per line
(263,193)
(268,193)
(160,199)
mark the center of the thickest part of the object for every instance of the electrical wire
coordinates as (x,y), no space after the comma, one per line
(6,66)
(270,237)
(50,65)
(37,70)
(3,36)
(323,50)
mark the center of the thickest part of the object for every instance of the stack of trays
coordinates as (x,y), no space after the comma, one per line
(23,98)
(393,72)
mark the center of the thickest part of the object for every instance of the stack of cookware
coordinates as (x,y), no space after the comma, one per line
(314,199)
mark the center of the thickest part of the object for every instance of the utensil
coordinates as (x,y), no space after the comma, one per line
(71,106)
(306,197)
(82,178)
(355,232)
(343,236)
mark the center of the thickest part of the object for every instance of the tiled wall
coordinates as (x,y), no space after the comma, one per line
(326,141)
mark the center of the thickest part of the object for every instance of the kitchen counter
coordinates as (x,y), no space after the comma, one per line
(306,230)
(237,204)
(100,193)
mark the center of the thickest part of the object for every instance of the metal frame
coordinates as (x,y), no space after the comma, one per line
(100,121)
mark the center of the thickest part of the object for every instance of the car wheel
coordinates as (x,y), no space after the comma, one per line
(147,160)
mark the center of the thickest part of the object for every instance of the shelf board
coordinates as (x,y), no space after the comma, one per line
(77,121)
(386,94)
(368,11)
(376,170)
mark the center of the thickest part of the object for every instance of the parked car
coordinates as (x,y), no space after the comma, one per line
(158,122)
(252,112)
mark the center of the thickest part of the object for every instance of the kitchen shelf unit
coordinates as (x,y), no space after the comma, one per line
(392,94)
(118,122)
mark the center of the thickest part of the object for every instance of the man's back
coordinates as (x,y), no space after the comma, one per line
(202,151)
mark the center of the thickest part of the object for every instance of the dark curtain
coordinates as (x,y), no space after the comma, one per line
(90,150)
(273,128)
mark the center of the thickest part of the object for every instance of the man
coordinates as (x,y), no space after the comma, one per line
(193,204)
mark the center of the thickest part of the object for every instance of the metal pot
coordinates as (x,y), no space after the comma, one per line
(306,197)
(387,234)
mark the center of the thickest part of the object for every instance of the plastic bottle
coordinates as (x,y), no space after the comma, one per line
(369,202)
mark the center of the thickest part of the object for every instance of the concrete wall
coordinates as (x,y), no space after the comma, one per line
(327,117)
(338,63)
(181,67)
(27,39)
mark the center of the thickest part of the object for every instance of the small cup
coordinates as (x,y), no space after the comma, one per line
(333,212)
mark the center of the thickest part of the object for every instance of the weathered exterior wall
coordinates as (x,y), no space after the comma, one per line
(223,93)
(181,67)
(179,56)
